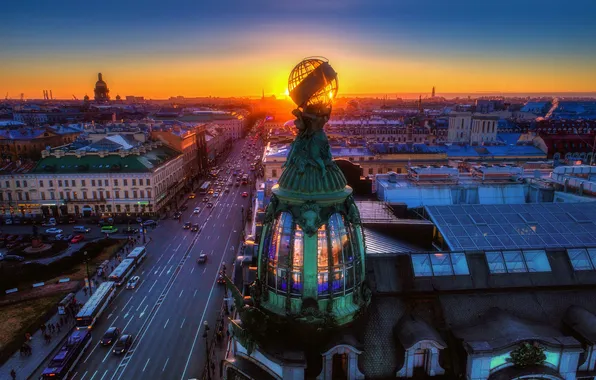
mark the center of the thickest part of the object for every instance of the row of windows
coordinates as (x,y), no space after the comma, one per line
(440,264)
(74,195)
(582,259)
(338,268)
(122,208)
(73,183)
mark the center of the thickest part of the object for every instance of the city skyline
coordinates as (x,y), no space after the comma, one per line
(234,48)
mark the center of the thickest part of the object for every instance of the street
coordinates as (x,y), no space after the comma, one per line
(165,313)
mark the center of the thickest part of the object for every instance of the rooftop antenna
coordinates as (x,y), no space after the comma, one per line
(51,96)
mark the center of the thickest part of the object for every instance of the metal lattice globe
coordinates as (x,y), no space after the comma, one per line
(313,83)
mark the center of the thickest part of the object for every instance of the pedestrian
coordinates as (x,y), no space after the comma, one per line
(27,337)
(58,328)
(85,291)
(13,374)
(43,328)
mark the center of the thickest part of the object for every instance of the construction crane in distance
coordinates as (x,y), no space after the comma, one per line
(74,97)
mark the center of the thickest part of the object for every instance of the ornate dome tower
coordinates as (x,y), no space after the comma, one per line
(311,256)
(101,90)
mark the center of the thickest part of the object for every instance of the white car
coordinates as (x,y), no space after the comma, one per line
(215,195)
(196,210)
(53,231)
(133,282)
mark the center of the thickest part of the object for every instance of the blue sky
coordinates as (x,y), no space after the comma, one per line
(545,34)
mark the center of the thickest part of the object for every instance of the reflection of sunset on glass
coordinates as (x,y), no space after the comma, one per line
(240,50)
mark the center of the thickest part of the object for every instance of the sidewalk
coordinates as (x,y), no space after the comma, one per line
(26,366)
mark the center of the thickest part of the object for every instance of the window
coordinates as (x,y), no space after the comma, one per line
(440,264)
(20,196)
(101,195)
(517,261)
(75,195)
(125,194)
(93,195)
(106,183)
(59,183)
(117,194)
(61,195)
(43,196)
(40,183)
(7,184)
(52,196)
(27,197)
(92,182)
(141,194)
(140,181)
(115,182)
(582,259)
(279,252)
(134,194)
(148,193)
(83,183)
(84,195)
(125,182)
(51,183)
(107,195)
(134,182)
(148,182)
(274,173)
(73,183)
(18,183)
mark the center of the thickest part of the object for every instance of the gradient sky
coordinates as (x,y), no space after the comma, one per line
(238,47)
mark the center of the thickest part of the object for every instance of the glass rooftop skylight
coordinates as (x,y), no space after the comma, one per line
(517,261)
(439,264)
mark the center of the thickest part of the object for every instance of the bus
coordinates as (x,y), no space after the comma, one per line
(205,187)
(122,271)
(92,309)
(138,254)
(70,353)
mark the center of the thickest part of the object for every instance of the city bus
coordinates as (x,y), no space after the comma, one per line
(138,254)
(122,271)
(92,309)
(205,187)
(70,353)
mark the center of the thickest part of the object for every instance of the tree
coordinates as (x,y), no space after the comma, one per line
(527,354)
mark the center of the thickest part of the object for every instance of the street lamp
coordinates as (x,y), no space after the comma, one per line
(88,277)
(206,335)
(143,232)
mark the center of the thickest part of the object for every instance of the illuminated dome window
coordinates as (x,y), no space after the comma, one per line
(336,258)
(283,268)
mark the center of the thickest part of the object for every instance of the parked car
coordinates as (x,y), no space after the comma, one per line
(123,344)
(187,225)
(149,223)
(53,231)
(81,229)
(108,229)
(133,282)
(77,239)
(130,231)
(110,336)
(9,221)
(194,228)
(106,222)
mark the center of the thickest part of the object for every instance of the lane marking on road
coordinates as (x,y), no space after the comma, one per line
(182,324)
(104,374)
(143,312)
(164,268)
(88,356)
(164,366)
(114,321)
(184,238)
(213,250)
(204,270)
(146,364)
(181,293)
(95,373)
(85,374)
(171,257)
(192,269)
(164,326)
(124,329)
(141,304)
(169,270)
(109,315)
(124,307)
(139,287)
(157,270)
(143,272)
(151,288)
(196,289)
(177,249)
(205,310)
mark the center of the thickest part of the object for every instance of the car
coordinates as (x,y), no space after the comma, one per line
(110,336)
(77,239)
(202,258)
(81,229)
(9,221)
(130,231)
(227,190)
(13,258)
(194,228)
(177,215)
(139,220)
(187,225)
(54,231)
(244,194)
(108,229)
(106,222)
(209,205)
(220,278)
(133,282)
(197,210)
(183,208)
(215,195)
(205,199)
(191,196)
(123,344)
(149,223)
(211,191)
(237,184)
(71,220)
(49,223)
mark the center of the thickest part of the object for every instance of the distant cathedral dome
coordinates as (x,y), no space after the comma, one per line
(101,90)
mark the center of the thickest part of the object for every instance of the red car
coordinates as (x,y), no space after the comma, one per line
(77,239)
(245,194)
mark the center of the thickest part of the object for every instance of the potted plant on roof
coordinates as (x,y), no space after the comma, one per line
(527,355)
